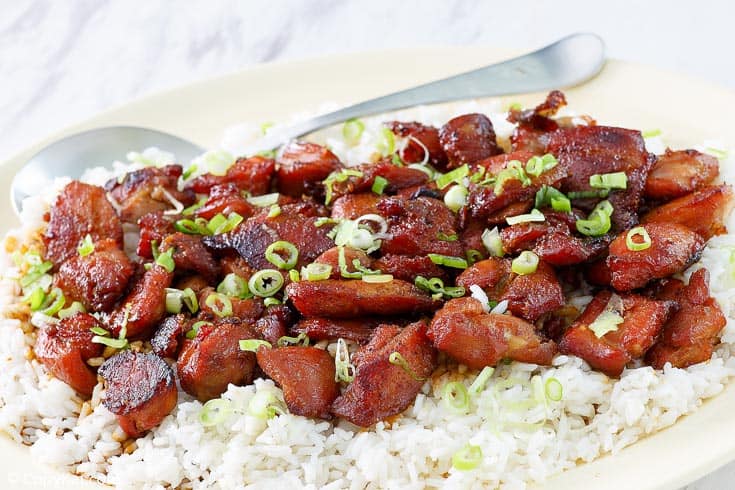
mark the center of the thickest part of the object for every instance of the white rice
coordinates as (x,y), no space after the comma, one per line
(596,415)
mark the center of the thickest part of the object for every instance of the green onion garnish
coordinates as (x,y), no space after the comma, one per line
(607,321)
(197,226)
(493,243)
(36,299)
(215,411)
(265,282)
(525,263)
(76,307)
(302,339)
(634,235)
(86,247)
(342,262)
(397,359)
(191,209)
(352,131)
(294,275)
(195,328)
(600,194)
(338,176)
(234,286)
(424,168)
(379,185)
(481,380)
(54,302)
(448,238)
(436,286)
(548,195)
(456,197)
(189,171)
(344,370)
(173,301)
(454,176)
(553,389)
(716,152)
(598,221)
(651,133)
(275,211)
(534,216)
(456,398)
(252,345)
(271,301)
(448,261)
(99,331)
(316,272)
(468,458)
(264,405)
(386,142)
(220,304)
(35,272)
(265,200)
(219,224)
(377,278)
(110,342)
(166,260)
(276,252)
(615,180)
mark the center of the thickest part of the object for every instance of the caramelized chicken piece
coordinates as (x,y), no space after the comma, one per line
(703,211)
(468,139)
(235,264)
(673,249)
(154,227)
(195,283)
(380,388)
(144,306)
(532,295)
(306,375)
(588,150)
(407,267)
(535,125)
(169,335)
(252,238)
(275,322)
(488,274)
(96,280)
(302,165)
(148,190)
(677,173)
(643,319)
(213,359)
(79,210)
(352,206)
(332,329)
(421,139)
(500,217)
(225,199)
(191,255)
(463,330)
(247,310)
(398,178)
(351,299)
(251,174)
(331,258)
(64,349)
(415,227)
(140,390)
(553,243)
(689,336)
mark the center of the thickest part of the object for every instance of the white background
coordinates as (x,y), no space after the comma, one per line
(64,60)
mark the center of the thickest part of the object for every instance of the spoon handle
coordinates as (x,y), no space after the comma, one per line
(565,63)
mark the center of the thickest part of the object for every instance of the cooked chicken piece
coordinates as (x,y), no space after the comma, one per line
(408,267)
(154,227)
(144,306)
(677,173)
(225,199)
(303,165)
(468,139)
(169,335)
(397,177)
(331,258)
(275,323)
(332,329)
(531,296)
(421,139)
(251,174)
(352,206)
(191,255)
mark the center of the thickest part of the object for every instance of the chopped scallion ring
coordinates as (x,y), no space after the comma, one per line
(252,345)
(352,131)
(448,261)
(548,195)
(600,194)
(264,201)
(192,227)
(215,411)
(271,301)
(615,180)
(110,342)
(99,331)
(377,278)
(342,262)
(448,238)
(36,299)
(174,301)
(195,328)
(480,381)
(386,142)
(220,304)
(379,185)
(190,300)
(493,243)
(277,250)
(234,286)
(316,272)
(525,263)
(651,133)
(219,224)
(455,397)
(166,260)
(468,458)
(274,211)
(598,222)
(553,389)
(35,272)
(265,282)
(637,239)
(191,209)
(436,285)
(86,247)
(189,171)
(424,168)
(607,321)
(264,405)
(344,370)
(294,275)
(76,307)
(397,359)
(534,216)
(454,176)
(55,301)
(456,197)
(473,256)
(302,339)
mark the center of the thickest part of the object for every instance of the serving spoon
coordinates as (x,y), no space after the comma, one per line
(567,62)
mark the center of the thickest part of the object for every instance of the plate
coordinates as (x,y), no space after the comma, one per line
(686,109)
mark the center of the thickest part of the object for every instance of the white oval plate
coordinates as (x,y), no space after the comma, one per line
(687,110)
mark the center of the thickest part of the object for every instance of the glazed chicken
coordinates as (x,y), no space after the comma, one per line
(349,285)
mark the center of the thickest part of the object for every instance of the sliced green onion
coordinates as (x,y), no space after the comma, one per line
(99,331)
(86,247)
(325,221)
(601,194)
(436,286)
(377,278)
(493,243)
(166,260)
(252,345)
(448,261)
(534,216)
(455,397)
(316,272)
(481,380)
(386,142)
(76,307)
(473,256)
(615,180)
(364,270)
(535,166)
(342,262)
(338,176)
(294,275)
(35,272)
(110,342)
(174,300)
(716,152)
(598,222)
(468,458)
(448,238)
(276,250)
(631,239)
(265,282)
(275,211)
(265,200)
(36,299)
(55,301)
(190,300)
(344,369)
(271,301)
(651,133)
(197,226)
(195,328)
(513,171)
(234,286)
(219,224)
(189,171)
(423,168)
(454,176)
(264,405)
(553,389)
(379,185)
(607,321)
(525,263)
(548,195)
(220,304)
(302,339)
(520,172)
(215,411)
(266,126)
(397,359)
(456,197)
(191,209)
(352,131)
(396,160)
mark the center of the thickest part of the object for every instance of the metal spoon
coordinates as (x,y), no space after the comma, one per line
(567,62)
